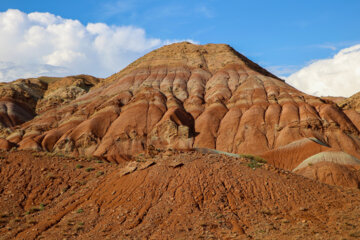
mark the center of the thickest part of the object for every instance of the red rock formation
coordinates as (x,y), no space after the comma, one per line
(185,95)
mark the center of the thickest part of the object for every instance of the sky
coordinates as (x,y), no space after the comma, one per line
(314,45)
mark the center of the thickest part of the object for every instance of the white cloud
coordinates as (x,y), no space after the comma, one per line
(38,44)
(337,76)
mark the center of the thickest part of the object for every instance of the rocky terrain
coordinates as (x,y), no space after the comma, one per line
(188,141)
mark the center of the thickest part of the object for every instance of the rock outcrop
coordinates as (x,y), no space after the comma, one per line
(352,102)
(23,99)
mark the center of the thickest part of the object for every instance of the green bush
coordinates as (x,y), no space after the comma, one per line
(255,161)
(89,169)
(78,166)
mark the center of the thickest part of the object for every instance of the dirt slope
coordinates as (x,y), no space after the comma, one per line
(171,196)
(187,96)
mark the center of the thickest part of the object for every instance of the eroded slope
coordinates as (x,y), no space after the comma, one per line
(184,96)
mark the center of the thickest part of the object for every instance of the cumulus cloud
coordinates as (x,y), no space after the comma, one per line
(337,76)
(37,44)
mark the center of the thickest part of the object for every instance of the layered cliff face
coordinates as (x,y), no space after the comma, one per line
(184,96)
(18,101)
(23,99)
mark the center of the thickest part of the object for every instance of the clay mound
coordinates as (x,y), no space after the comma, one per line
(181,195)
(332,173)
(190,96)
(331,156)
(291,155)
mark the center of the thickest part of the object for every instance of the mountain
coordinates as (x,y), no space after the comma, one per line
(183,96)
(207,144)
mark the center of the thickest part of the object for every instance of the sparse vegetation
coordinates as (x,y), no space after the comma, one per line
(32,210)
(255,161)
(41,206)
(81,182)
(33,222)
(100,173)
(80,210)
(65,188)
(78,166)
(89,169)
(37,154)
(355,234)
(50,176)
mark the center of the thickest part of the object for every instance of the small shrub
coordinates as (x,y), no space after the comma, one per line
(32,210)
(100,173)
(50,176)
(2,221)
(255,161)
(79,228)
(32,222)
(81,182)
(80,210)
(252,157)
(355,234)
(36,154)
(78,166)
(99,161)
(66,188)
(89,169)
(41,206)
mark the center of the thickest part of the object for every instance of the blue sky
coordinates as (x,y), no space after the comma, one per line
(274,33)
(281,35)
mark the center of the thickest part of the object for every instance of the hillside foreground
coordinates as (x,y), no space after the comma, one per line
(171,195)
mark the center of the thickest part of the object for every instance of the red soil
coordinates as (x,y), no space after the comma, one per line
(171,196)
